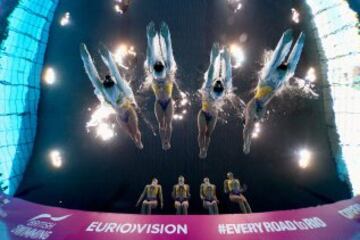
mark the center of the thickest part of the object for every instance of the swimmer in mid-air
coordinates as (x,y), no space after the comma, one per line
(181,195)
(115,91)
(233,188)
(160,68)
(208,196)
(275,74)
(215,89)
(150,196)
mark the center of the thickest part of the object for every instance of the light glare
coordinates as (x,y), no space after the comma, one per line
(49,76)
(304,158)
(55,158)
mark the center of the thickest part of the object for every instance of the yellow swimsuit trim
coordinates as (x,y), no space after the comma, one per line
(263,91)
(168,88)
(127,104)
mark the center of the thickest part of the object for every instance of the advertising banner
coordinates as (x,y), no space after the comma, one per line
(20,219)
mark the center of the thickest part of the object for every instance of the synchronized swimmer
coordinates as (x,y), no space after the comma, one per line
(160,70)
(216,87)
(115,91)
(275,74)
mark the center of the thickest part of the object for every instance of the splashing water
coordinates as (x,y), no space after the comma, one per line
(181,105)
(122,55)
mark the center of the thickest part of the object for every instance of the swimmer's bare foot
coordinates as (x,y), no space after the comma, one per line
(166,146)
(203,153)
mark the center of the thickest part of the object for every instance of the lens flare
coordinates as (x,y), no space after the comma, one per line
(237,54)
(256,131)
(65,20)
(55,158)
(100,121)
(181,106)
(311,75)
(295,15)
(49,76)
(304,158)
(122,53)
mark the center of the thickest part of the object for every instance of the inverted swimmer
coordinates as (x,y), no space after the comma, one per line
(215,89)
(160,67)
(115,91)
(275,74)
(150,197)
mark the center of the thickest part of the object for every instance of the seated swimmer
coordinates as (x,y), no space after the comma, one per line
(181,195)
(208,196)
(233,188)
(150,196)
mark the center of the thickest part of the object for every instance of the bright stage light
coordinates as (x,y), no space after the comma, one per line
(100,122)
(295,15)
(49,76)
(122,52)
(304,158)
(65,20)
(55,158)
(237,54)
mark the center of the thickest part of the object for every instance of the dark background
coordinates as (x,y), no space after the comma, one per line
(109,176)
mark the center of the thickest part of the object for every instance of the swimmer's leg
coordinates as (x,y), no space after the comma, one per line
(210,129)
(178,207)
(295,54)
(169,112)
(160,116)
(144,207)
(216,208)
(202,126)
(247,206)
(185,206)
(133,126)
(242,206)
(249,125)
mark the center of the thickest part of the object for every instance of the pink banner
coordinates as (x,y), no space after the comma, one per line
(20,219)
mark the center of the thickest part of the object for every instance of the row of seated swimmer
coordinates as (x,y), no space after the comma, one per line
(152,194)
(217,88)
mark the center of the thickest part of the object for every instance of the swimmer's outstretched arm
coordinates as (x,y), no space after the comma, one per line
(109,61)
(281,51)
(295,55)
(150,34)
(209,75)
(165,33)
(228,77)
(91,70)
